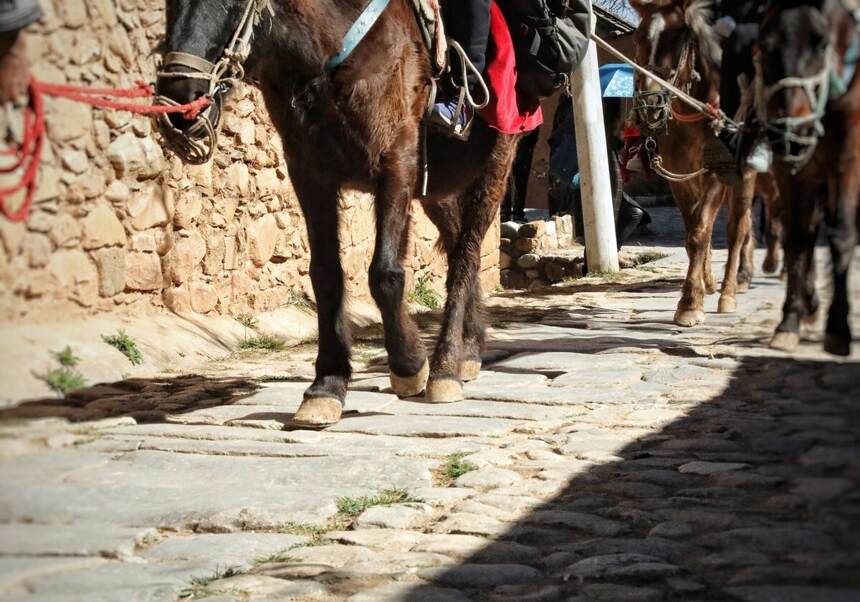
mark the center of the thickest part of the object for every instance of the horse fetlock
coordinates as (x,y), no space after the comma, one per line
(444,390)
(410,386)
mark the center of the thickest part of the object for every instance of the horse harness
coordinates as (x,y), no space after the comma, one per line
(652,111)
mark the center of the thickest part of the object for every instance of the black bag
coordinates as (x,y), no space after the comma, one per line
(550,39)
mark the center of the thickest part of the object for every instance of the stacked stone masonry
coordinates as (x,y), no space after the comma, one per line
(118,224)
(538,253)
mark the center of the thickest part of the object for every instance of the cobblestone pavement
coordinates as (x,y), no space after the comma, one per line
(603,455)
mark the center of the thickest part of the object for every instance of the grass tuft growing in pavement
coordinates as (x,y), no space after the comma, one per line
(352,507)
(248,321)
(67,357)
(197,588)
(314,533)
(455,466)
(126,345)
(281,557)
(263,342)
(64,380)
(423,294)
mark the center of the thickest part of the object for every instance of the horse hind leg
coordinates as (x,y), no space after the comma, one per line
(474,334)
(457,353)
(801,229)
(739,227)
(407,360)
(772,224)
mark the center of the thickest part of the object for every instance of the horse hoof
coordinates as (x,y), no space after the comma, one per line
(837,345)
(727,305)
(317,413)
(469,370)
(785,341)
(410,386)
(743,286)
(444,390)
(689,317)
(710,288)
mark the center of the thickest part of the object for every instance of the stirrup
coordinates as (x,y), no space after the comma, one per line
(465,98)
(456,129)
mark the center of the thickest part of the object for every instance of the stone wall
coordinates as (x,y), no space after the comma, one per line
(120,225)
(539,253)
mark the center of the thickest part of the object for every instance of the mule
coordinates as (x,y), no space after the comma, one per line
(675,41)
(814,131)
(357,124)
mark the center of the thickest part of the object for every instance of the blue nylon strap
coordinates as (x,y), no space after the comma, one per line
(366,20)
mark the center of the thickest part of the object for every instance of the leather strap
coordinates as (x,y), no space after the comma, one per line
(183,59)
(366,20)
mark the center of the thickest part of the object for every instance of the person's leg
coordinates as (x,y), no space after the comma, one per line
(468,23)
(519,180)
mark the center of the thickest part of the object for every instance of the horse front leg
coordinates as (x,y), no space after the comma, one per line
(699,219)
(739,227)
(800,213)
(324,399)
(407,360)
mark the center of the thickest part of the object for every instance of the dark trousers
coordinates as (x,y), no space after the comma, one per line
(514,204)
(737,61)
(468,22)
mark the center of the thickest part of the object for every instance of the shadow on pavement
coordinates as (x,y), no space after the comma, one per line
(144,399)
(753,496)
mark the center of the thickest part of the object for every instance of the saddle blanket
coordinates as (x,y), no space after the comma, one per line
(432,30)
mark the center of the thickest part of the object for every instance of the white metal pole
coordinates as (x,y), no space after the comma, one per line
(598,214)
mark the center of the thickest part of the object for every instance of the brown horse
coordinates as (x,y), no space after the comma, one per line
(357,125)
(814,129)
(675,41)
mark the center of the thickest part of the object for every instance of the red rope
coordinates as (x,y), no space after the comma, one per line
(29,153)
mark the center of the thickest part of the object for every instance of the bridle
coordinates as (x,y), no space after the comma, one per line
(653,109)
(819,90)
(197,143)
(784,131)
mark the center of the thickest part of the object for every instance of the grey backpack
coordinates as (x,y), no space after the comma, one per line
(550,39)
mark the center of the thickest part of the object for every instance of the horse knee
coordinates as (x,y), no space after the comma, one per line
(387,283)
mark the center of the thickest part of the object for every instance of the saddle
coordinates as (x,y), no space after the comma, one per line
(429,18)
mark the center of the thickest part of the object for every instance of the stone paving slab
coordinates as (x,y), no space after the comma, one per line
(93,539)
(604,454)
